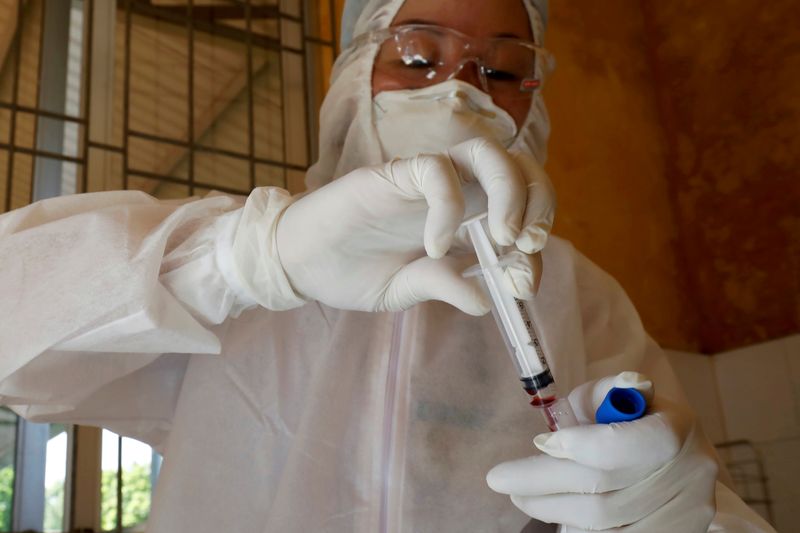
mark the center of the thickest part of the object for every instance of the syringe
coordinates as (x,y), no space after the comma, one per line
(525,348)
(519,334)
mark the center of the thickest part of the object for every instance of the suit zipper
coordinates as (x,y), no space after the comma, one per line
(388,420)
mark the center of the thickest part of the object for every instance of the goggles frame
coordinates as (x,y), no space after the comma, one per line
(543,59)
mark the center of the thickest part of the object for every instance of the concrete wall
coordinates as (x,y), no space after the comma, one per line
(759,388)
(698,378)
(753,394)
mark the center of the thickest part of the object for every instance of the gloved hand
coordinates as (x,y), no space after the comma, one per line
(376,239)
(652,475)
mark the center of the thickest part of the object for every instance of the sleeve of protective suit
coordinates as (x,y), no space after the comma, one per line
(616,341)
(96,287)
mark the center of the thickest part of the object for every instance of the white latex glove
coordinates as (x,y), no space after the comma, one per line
(652,475)
(376,239)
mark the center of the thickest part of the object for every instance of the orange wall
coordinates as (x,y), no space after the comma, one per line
(607,160)
(729,85)
(676,153)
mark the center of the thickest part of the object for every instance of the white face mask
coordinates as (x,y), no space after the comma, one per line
(433,119)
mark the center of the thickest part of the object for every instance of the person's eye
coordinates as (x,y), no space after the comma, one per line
(417,62)
(501,75)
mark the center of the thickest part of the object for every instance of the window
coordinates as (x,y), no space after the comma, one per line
(130,470)
(33,474)
(8,445)
(55,477)
(173,97)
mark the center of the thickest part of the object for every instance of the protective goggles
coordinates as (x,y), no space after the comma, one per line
(424,54)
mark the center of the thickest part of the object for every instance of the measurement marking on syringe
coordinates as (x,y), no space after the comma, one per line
(526,319)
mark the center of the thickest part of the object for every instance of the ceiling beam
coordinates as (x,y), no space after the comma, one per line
(206,19)
(211,13)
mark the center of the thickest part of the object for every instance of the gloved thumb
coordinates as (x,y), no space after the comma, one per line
(522,273)
(436,279)
(586,398)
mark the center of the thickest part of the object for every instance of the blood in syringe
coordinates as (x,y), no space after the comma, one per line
(542,403)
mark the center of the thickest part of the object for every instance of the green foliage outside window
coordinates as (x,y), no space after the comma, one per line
(54,507)
(135,497)
(6,493)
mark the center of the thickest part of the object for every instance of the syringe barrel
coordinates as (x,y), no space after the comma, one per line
(512,315)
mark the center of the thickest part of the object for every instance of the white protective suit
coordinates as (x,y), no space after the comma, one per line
(118,310)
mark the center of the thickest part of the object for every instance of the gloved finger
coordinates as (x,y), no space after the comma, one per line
(643,445)
(672,516)
(584,511)
(435,178)
(540,475)
(586,398)
(522,273)
(685,493)
(540,205)
(691,511)
(493,167)
(436,279)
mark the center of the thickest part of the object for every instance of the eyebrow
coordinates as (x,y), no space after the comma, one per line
(416,21)
(507,35)
(502,35)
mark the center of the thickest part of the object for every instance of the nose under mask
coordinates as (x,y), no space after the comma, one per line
(434,118)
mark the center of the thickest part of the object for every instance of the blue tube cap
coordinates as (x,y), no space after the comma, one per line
(621,405)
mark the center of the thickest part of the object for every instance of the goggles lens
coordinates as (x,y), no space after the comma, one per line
(423,55)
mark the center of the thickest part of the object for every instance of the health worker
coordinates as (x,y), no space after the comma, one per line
(318,362)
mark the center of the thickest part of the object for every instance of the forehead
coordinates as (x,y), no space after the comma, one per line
(477,18)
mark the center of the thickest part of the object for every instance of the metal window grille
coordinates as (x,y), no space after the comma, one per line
(173,97)
(746,467)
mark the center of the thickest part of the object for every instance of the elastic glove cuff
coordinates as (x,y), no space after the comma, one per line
(255,270)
